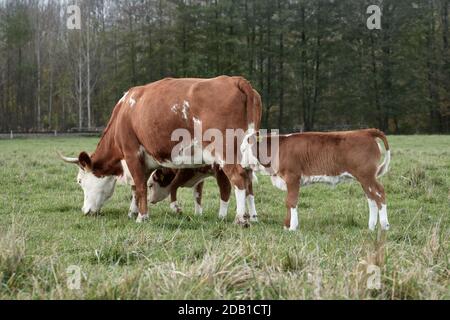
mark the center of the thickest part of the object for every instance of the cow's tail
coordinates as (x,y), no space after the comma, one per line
(253,108)
(252,104)
(384,167)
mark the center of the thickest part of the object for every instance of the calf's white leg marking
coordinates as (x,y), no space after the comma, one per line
(223,211)
(198,207)
(373,214)
(384,218)
(252,208)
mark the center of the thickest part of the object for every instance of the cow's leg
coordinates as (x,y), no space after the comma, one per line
(140,177)
(225,192)
(239,179)
(377,203)
(293,188)
(173,200)
(382,206)
(134,209)
(251,202)
(198,192)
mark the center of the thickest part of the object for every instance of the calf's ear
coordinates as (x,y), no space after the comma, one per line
(85,161)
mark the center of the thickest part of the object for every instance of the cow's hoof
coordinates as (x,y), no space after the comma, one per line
(254,219)
(242,222)
(132,215)
(142,218)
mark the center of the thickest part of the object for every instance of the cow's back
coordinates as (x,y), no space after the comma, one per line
(153,112)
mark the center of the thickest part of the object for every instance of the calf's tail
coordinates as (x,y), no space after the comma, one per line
(384,167)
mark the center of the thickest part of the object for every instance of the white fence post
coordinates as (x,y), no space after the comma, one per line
(11,136)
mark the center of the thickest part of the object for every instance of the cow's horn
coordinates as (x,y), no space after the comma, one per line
(68,160)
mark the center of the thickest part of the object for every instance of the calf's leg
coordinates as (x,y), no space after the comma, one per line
(251,202)
(293,188)
(173,200)
(198,192)
(376,198)
(225,193)
(134,209)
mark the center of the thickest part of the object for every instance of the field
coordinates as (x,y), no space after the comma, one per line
(43,233)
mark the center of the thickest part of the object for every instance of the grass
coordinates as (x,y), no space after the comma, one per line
(42,233)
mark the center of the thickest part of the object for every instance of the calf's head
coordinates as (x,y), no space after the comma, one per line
(159,185)
(97,188)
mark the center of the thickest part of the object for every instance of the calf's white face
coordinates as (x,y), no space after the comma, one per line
(156,193)
(96,190)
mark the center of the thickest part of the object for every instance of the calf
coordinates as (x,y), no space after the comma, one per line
(305,158)
(165,182)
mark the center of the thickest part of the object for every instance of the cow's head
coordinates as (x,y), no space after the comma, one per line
(159,185)
(97,188)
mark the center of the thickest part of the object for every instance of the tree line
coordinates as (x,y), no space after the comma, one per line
(315,62)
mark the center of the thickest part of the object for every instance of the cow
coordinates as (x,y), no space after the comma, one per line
(306,158)
(166,182)
(139,137)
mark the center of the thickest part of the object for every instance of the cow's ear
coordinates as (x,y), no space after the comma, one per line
(85,161)
(157,176)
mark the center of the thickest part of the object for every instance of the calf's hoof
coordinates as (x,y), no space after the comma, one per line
(175,208)
(142,218)
(242,222)
(385,227)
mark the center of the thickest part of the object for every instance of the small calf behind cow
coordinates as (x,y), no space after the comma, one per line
(166,182)
(305,158)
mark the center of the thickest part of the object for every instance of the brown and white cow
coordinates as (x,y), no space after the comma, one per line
(305,158)
(139,136)
(166,182)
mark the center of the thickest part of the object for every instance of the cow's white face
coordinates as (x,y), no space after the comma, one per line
(96,190)
(156,193)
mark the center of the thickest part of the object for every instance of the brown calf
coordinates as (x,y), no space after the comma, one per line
(166,182)
(305,158)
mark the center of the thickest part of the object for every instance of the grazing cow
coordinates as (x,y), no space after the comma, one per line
(139,137)
(305,158)
(165,182)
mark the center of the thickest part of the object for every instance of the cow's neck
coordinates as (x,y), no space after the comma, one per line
(107,156)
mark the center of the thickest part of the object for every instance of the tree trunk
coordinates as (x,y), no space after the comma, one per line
(38,62)
(80,88)
(375,82)
(88,75)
